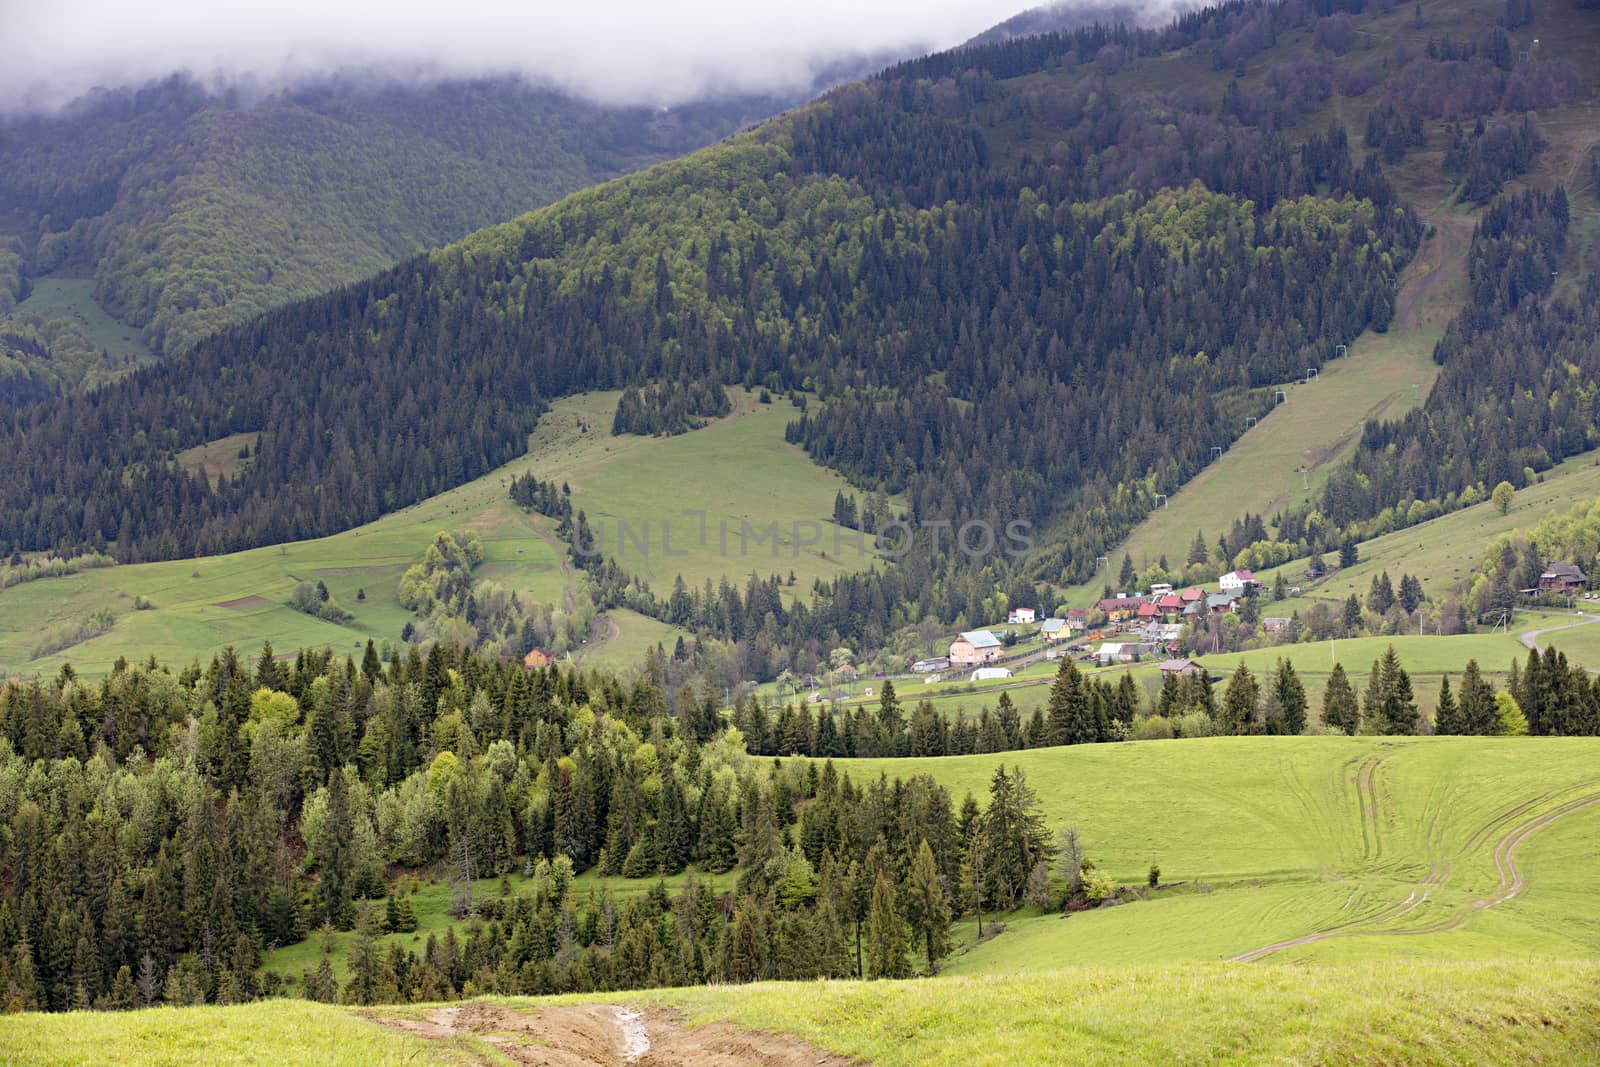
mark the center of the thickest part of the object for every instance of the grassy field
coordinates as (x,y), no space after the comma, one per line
(1446,552)
(737,471)
(73,299)
(241,599)
(1392,1012)
(1364,848)
(739,467)
(1313,430)
(271,1033)
(1414,1014)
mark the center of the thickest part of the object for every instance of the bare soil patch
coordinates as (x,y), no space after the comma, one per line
(245,602)
(609,1035)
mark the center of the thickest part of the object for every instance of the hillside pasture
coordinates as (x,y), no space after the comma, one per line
(1421,847)
(738,468)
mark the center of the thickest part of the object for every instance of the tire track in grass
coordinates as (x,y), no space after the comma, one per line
(1511,881)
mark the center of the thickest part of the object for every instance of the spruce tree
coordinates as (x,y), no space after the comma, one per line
(1071,721)
(1239,703)
(926,909)
(1339,708)
(1291,697)
(364,958)
(886,934)
(1475,710)
(1447,715)
(1390,688)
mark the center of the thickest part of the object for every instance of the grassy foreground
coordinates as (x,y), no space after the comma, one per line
(1190,1014)
(1182,1014)
(277,1032)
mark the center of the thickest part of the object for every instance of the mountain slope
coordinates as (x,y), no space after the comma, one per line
(1022,290)
(192,211)
(906,239)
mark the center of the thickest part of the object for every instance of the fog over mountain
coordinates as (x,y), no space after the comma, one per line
(610,51)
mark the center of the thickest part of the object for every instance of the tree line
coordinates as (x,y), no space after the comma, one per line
(164,831)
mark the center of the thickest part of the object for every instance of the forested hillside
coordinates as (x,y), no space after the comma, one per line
(1113,311)
(192,211)
(1023,281)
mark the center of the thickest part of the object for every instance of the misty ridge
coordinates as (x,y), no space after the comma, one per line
(616,53)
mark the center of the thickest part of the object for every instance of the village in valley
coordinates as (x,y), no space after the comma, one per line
(1126,628)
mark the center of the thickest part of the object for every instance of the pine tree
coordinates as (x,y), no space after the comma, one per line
(1447,714)
(886,934)
(1291,697)
(1351,617)
(926,909)
(749,960)
(1380,598)
(1239,703)
(364,958)
(1339,708)
(1391,705)
(1476,707)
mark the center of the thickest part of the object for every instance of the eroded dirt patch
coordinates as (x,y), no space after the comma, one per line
(245,602)
(610,1035)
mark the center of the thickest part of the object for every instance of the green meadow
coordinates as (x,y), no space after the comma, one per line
(739,468)
(73,299)
(1449,848)
(1446,552)
(1311,431)
(650,492)
(1187,1014)
(273,1032)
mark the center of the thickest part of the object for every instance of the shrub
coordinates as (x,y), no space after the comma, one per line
(1098,886)
(1153,728)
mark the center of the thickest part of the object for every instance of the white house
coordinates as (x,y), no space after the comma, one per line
(975,647)
(985,673)
(1020,615)
(1160,589)
(1237,581)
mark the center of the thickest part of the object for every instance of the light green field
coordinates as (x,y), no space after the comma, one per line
(628,638)
(271,1033)
(1581,644)
(1362,847)
(1390,1013)
(1316,428)
(1446,552)
(737,471)
(188,618)
(739,467)
(1212,1014)
(73,299)
(1427,654)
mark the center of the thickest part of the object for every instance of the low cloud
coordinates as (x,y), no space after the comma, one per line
(612,51)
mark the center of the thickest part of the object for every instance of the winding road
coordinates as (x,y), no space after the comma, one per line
(1530,639)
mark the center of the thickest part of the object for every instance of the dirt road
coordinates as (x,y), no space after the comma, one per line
(604,1035)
